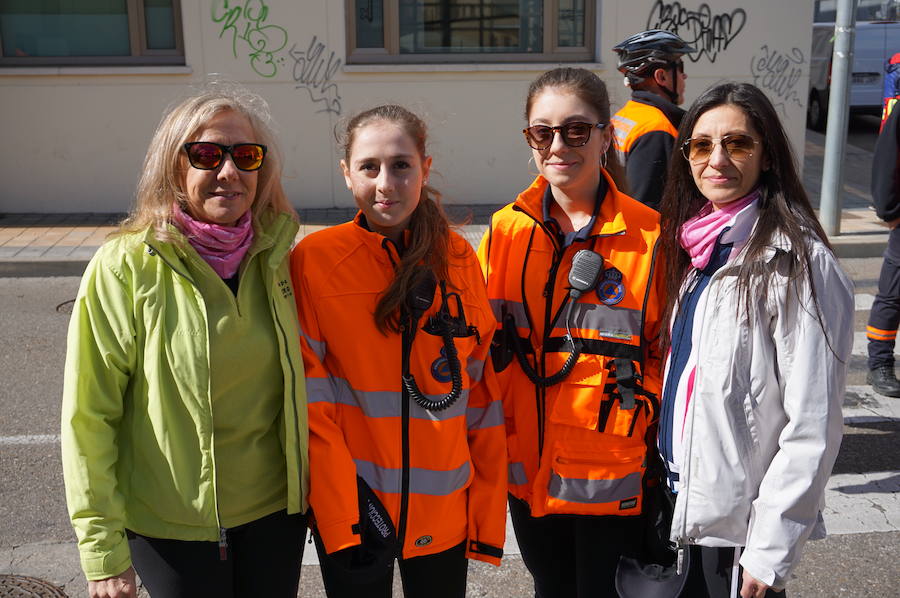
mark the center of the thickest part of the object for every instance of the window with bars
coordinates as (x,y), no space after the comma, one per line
(90,32)
(453,31)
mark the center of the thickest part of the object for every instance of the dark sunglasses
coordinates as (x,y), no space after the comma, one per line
(206,155)
(574,134)
(699,149)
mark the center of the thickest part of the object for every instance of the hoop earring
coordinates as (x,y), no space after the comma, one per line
(532,171)
(603,160)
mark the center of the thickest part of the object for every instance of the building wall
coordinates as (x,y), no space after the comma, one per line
(74,138)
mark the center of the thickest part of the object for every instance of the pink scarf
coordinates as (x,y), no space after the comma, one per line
(699,234)
(222,247)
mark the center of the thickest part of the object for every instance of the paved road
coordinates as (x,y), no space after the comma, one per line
(35,539)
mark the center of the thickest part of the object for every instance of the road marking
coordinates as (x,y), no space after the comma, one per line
(33,439)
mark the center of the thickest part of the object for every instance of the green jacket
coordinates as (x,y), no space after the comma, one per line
(137,433)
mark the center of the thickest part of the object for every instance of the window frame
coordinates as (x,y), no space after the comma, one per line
(141,55)
(390,53)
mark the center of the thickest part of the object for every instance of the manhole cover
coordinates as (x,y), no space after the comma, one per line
(19,586)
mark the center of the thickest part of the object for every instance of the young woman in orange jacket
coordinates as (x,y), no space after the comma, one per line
(572,276)
(407,445)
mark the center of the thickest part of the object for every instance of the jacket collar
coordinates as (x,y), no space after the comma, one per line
(609,221)
(271,230)
(670,110)
(380,245)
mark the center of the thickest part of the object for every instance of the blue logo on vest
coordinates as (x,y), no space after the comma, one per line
(610,289)
(440,368)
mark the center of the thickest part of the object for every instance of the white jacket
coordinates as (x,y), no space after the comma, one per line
(763,428)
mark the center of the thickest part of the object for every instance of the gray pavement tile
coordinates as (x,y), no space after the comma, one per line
(32,251)
(7,251)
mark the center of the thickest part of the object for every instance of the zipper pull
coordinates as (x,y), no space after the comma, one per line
(223,545)
(679,560)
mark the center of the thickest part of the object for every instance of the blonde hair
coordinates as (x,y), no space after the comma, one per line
(162,179)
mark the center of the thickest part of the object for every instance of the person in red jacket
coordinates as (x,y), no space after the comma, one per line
(572,276)
(407,445)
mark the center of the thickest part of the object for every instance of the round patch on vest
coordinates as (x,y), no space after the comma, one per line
(440,368)
(423,541)
(610,289)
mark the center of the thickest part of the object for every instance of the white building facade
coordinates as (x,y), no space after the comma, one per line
(83,83)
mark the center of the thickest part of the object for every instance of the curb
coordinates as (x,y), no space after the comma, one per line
(41,268)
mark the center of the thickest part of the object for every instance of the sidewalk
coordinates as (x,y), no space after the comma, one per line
(62,244)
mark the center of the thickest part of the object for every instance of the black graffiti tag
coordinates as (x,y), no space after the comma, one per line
(313,72)
(710,34)
(778,73)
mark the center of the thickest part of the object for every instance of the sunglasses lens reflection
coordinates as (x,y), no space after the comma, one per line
(576,134)
(736,146)
(247,156)
(573,134)
(205,155)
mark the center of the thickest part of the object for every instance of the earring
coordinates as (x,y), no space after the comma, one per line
(603,160)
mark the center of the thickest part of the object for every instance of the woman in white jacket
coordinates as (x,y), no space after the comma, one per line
(760,331)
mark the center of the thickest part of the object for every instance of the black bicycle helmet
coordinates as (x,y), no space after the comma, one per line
(644,52)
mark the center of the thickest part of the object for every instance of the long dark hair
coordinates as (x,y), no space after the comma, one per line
(429,231)
(591,90)
(784,207)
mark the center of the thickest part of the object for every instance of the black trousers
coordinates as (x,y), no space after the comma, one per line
(885,315)
(573,556)
(262,559)
(711,571)
(440,575)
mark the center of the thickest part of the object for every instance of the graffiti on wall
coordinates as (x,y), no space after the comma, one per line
(709,33)
(313,70)
(245,22)
(778,73)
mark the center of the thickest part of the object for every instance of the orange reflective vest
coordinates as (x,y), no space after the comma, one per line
(441,475)
(644,133)
(578,446)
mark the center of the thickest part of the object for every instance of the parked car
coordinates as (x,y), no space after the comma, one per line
(877,39)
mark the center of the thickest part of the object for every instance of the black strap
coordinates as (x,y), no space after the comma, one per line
(625,381)
(482,548)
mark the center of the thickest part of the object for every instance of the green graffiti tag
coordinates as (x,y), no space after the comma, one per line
(245,22)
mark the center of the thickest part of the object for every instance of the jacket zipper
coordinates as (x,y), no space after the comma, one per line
(293,390)
(223,538)
(684,483)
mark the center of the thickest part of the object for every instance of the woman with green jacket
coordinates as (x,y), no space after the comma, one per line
(184,432)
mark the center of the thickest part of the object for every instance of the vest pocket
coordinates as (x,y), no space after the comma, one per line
(602,480)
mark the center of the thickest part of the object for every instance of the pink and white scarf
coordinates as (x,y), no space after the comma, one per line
(222,247)
(698,235)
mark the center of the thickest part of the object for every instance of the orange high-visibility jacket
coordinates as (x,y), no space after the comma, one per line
(644,133)
(573,446)
(440,474)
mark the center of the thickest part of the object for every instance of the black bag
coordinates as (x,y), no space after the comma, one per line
(654,573)
(373,557)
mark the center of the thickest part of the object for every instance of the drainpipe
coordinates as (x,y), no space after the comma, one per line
(836,132)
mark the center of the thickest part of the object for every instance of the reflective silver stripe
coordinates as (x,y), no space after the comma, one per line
(516,308)
(474,367)
(594,491)
(479,418)
(625,122)
(382,403)
(516,474)
(319,390)
(609,321)
(318,347)
(431,482)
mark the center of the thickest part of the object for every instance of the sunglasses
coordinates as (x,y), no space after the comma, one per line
(574,134)
(699,149)
(206,155)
